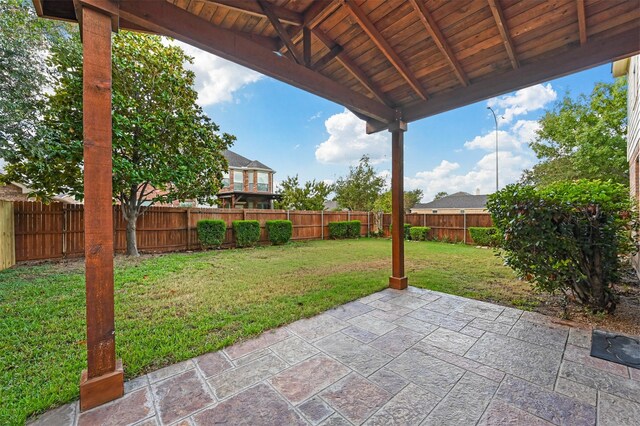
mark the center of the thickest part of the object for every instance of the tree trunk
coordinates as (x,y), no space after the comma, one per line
(132,244)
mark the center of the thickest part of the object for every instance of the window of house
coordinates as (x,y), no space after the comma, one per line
(250,181)
(225,180)
(263,182)
(237,181)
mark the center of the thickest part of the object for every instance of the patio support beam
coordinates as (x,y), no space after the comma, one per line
(501,22)
(397,280)
(103,379)
(313,16)
(282,32)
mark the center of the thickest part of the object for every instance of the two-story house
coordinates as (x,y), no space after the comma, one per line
(247,185)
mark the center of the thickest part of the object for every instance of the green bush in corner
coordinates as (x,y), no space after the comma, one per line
(246,232)
(488,237)
(280,231)
(419,233)
(211,232)
(344,229)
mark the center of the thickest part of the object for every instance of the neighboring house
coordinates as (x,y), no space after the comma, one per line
(631,68)
(15,191)
(247,185)
(454,203)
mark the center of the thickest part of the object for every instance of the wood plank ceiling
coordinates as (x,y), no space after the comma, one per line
(412,58)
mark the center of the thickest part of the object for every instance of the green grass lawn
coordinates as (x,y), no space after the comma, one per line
(174,307)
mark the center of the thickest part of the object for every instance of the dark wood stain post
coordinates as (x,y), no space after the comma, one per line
(103,380)
(397,280)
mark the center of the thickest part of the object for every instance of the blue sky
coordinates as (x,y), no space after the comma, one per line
(295,132)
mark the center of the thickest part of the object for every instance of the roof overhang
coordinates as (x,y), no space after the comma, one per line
(392,60)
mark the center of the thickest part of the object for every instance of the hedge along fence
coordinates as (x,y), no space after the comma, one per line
(279,231)
(211,232)
(56,230)
(344,229)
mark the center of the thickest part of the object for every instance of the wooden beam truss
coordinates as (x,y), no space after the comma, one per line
(501,22)
(386,49)
(165,18)
(582,21)
(251,7)
(439,39)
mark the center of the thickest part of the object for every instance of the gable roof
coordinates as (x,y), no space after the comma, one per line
(238,161)
(459,200)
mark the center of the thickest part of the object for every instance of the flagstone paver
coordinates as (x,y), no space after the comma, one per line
(355,397)
(259,405)
(523,359)
(465,403)
(180,395)
(391,358)
(309,377)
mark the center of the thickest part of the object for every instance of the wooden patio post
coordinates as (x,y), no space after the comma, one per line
(397,280)
(103,379)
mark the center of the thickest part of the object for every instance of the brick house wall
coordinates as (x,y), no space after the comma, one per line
(11,192)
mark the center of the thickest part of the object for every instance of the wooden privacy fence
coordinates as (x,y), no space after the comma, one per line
(7,242)
(57,230)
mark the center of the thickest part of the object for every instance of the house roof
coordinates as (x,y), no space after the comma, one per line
(459,200)
(392,59)
(236,160)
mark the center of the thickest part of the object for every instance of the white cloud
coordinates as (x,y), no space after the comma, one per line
(446,175)
(523,101)
(315,116)
(348,141)
(217,79)
(517,137)
(296,146)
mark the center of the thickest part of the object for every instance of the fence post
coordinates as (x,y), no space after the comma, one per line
(424,219)
(64,230)
(188,228)
(322,224)
(368,225)
(349,215)
(464,225)
(244,214)
(288,215)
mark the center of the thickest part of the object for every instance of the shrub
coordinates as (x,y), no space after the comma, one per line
(344,229)
(489,237)
(211,232)
(246,232)
(280,231)
(407,232)
(567,236)
(419,233)
(353,228)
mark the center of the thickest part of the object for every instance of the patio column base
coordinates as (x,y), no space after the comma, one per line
(102,389)
(398,283)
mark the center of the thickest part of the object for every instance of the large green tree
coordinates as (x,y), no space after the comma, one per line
(583,138)
(24,75)
(411,198)
(164,147)
(310,196)
(360,189)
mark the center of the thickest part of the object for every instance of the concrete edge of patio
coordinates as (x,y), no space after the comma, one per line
(412,357)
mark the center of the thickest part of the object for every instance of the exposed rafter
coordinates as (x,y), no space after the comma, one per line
(306,46)
(284,15)
(496,10)
(384,46)
(282,32)
(439,39)
(582,21)
(167,19)
(328,57)
(353,69)
(317,12)
(596,52)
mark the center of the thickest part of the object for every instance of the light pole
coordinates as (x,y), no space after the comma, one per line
(496,120)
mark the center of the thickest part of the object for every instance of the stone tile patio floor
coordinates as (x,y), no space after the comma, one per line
(412,357)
